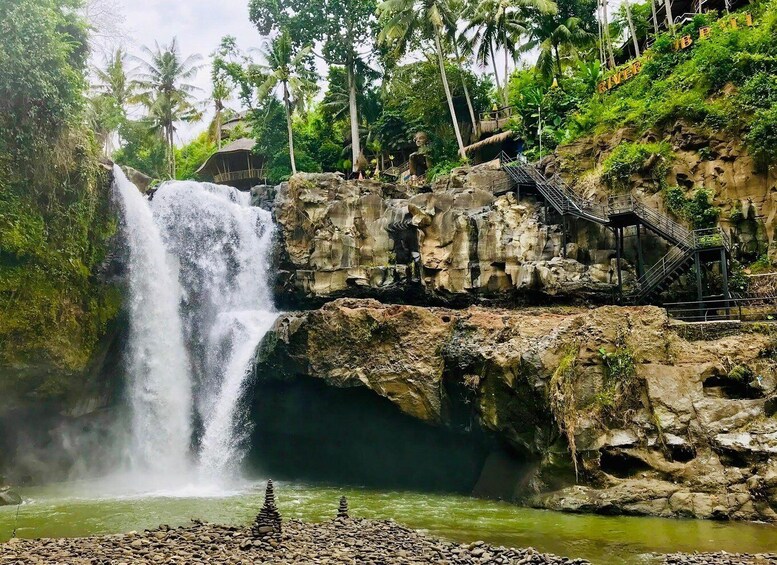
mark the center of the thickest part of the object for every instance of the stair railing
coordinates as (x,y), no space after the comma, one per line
(664,267)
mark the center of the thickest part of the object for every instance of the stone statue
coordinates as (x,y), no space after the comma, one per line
(419,160)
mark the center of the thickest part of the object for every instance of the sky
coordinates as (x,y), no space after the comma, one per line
(198,25)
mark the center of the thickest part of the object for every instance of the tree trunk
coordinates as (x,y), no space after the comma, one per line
(472,117)
(607,41)
(669,16)
(655,16)
(447,88)
(354,116)
(558,61)
(506,75)
(632,29)
(496,74)
(218,128)
(287,106)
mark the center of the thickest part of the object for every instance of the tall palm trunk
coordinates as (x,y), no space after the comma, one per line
(558,61)
(354,117)
(506,76)
(447,88)
(496,74)
(632,29)
(607,41)
(669,16)
(475,128)
(287,107)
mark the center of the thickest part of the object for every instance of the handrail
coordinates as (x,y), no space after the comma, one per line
(567,201)
(495,115)
(723,309)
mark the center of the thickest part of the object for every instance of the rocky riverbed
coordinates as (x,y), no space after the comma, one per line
(338,541)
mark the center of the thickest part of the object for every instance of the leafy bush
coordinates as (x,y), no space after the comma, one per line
(762,138)
(630,158)
(698,209)
(443,169)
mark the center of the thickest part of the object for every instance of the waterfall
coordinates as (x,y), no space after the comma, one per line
(223,245)
(159,384)
(218,303)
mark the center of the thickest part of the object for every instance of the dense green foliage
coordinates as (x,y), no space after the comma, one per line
(629,158)
(698,209)
(54,220)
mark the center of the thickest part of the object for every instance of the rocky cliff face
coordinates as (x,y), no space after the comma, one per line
(612,410)
(717,162)
(458,240)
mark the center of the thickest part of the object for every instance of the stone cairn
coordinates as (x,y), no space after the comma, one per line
(268,521)
(342,509)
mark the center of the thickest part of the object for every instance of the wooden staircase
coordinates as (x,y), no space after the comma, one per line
(687,246)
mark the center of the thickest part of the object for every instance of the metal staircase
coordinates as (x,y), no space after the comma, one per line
(686,245)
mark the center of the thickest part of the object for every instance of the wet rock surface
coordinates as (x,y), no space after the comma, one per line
(342,540)
(682,427)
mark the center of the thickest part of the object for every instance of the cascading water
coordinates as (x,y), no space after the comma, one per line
(160,394)
(198,275)
(223,245)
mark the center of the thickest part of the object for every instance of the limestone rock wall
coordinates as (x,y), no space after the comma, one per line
(662,420)
(717,162)
(463,238)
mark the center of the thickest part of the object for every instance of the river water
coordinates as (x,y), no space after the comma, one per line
(73,510)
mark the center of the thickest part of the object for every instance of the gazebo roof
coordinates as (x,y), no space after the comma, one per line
(242,145)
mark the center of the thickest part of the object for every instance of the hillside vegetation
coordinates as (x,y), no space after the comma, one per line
(54,220)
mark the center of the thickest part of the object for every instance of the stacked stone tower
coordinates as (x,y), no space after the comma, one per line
(342,510)
(268,521)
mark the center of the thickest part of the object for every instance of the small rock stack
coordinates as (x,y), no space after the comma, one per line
(342,509)
(268,521)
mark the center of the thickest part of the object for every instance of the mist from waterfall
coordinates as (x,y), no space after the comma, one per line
(199,305)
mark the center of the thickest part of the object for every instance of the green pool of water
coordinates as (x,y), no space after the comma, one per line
(72,510)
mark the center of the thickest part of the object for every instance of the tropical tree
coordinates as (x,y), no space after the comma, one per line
(551,34)
(161,80)
(282,68)
(115,91)
(405,21)
(498,24)
(345,30)
(219,95)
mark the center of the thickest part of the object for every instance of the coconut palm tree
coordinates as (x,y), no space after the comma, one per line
(498,24)
(407,20)
(161,80)
(114,86)
(462,51)
(282,69)
(551,34)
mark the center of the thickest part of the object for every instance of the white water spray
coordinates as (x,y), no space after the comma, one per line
(218,303)
(223,245)
(159,388)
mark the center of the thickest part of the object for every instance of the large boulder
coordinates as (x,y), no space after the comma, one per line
(9,497)
(614,409)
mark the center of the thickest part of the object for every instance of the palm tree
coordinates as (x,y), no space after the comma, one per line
(551,33)
(161,79)
(405,20)
(283,68)
(112,86)
(498,24)
(219,95)
(462,51)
